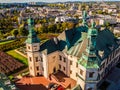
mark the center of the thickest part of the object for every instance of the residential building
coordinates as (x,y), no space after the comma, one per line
(64,19)
(5,83)
(106,19)
(116,30)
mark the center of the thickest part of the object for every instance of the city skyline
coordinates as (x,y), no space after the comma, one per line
(20,1)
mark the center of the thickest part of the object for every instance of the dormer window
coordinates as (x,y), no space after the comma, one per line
(91,74)
(101,53)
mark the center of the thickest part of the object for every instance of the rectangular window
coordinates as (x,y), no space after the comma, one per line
(91,74)
(41,59)
(36,58)
(70,72)
(76,74)
(59,66)
(60,57)
(64,59)
(76,64)
(38,74)
(81,72)
(64,68)
(35,47)
(37,67)
(70,62)
(30,59)
(43,68)
(28,47)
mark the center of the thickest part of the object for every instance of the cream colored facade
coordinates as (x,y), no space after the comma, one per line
(43,64)
(34,59)
(81,66)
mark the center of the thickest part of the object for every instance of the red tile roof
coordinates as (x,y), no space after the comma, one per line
(63,80)
(8,63)
(32,83)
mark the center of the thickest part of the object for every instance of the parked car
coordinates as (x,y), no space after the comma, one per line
(54,86)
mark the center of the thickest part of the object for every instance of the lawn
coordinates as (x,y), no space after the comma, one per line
(46,36)
(19,57)
(5,42)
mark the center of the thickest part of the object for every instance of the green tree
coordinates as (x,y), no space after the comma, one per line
(51,20)
(70,25)
(99,11)
(15,32)
(52,28)
(23,31)
(1,35)
(44,20)
(58,27)
(43,29)
(40,29)
(64,26)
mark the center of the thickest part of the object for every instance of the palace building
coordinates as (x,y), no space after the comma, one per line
(83,54)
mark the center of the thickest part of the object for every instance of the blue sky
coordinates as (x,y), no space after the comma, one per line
(9,1)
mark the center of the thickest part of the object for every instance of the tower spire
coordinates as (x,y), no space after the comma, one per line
(32,37)
(89,60)
(84,18)
(93,24)
(33,48)
(92,31)
(89,55)
(84,14)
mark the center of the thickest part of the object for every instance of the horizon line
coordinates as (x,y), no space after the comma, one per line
(61,1)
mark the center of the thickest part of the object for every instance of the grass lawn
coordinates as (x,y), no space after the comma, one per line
(45,36)
(19,57)
(5,42)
